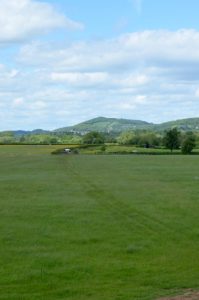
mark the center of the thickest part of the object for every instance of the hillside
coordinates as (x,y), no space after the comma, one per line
(103,124)
(182,124)
(35,131)
(113,125)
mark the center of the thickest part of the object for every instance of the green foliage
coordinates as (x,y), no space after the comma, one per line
(40,138)
(132,132)
(110,149)
(172,139)
(188,144)
(93,137)
(109,125)
(140,138)
(54,140)
(148,140)
(126,138)
(103,148)
(182,125)
(7,137)
(102,124)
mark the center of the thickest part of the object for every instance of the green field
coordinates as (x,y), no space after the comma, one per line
(100,227)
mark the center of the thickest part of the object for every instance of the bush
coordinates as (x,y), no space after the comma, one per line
(103,148)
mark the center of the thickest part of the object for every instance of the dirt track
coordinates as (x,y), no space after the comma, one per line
(189,295)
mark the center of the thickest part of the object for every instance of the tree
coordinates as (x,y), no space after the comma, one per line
(188,143)
(93,137)
(54,140)
(148,140)
(126,138)
(22,139)
(172,139)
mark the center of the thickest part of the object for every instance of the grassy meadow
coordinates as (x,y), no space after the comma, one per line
(100,227)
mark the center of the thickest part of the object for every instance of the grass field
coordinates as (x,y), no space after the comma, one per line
(82,227)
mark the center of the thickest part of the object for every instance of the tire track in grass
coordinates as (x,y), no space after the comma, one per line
(125,214)
(95,193)
(128,215)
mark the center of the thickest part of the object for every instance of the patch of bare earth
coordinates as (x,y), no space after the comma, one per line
(189,295)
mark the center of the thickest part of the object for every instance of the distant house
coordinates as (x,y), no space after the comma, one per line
(67,150)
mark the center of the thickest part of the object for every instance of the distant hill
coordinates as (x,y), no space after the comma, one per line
(103,124)
(191,124)
(114,125)
(24,132)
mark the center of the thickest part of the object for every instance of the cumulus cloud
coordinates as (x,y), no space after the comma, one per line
(155,49)
(97,79)
(21,19)
(142,75)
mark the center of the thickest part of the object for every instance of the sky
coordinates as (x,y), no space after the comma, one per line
(66,61)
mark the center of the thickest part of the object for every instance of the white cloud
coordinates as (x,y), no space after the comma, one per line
(38,105)
(104,79)
(13,73)
(141,99)
(142,75)
(81,79)
(18,102)
(157,50)
(134,80)
(21,19)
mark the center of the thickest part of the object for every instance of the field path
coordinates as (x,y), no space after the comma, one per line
(189,295)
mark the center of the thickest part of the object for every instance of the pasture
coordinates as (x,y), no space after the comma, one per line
(81,227)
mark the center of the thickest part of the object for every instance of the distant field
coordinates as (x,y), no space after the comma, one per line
(98,227)
(119,149)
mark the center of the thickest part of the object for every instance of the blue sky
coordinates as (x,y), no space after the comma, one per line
(66,61)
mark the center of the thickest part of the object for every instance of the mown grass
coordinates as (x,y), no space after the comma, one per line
(97,227)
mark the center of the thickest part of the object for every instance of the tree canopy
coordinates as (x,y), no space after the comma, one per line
(93,137)
(172,139)
(188,143)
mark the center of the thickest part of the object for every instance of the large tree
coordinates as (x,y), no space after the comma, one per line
(172,139)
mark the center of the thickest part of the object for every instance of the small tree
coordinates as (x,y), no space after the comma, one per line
(188,143)
(172,139)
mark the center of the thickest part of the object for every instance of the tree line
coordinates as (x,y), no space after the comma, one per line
(171,139)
